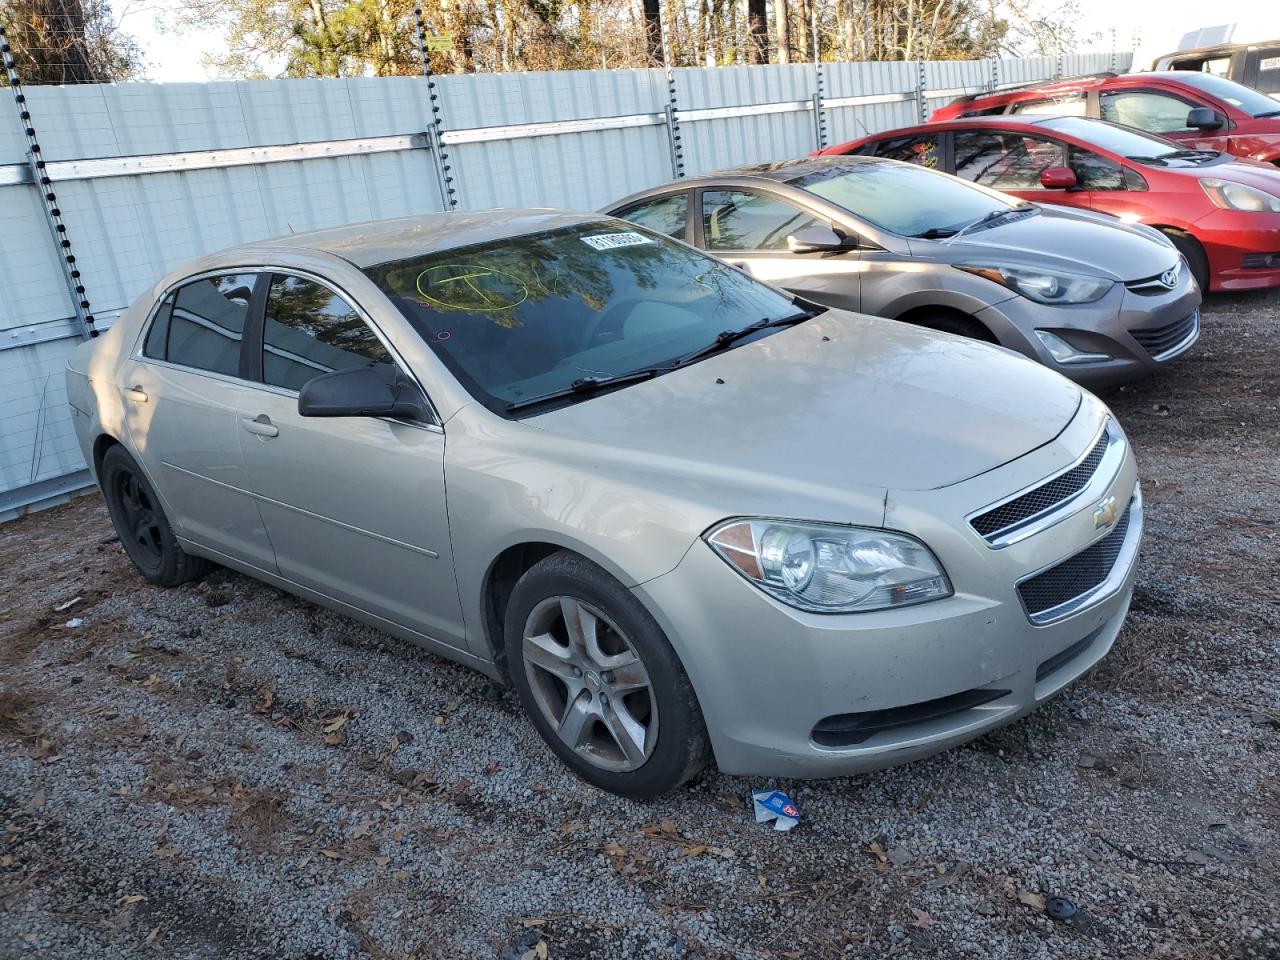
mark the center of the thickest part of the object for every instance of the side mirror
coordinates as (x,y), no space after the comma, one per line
(817,239)
(362,392)
(1204,118)
(1058,178)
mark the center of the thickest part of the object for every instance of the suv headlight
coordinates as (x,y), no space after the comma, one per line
(1236,196)
(1043,287)
(828,568)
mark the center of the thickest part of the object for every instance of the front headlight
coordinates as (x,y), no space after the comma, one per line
(1044,287)
(1236,196)
(829,568)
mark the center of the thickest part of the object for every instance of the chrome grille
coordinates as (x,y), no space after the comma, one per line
(1044,497)
(1075,575)
(1158,341)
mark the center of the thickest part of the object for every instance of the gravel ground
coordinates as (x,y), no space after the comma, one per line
(224,771)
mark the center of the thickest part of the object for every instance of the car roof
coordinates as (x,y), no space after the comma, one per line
(380,241)
(781,171)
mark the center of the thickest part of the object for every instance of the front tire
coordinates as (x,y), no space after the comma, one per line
(600,681)
(140,522)
(956,323)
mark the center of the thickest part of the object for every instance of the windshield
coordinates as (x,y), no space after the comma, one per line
(1228,91)
(902,198)
(1130,143)
(530,315)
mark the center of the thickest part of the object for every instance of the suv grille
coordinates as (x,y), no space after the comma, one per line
(1075,575)
(1044,497)
(1160,340)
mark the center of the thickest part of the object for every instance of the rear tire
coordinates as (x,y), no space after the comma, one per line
(956,323)
(142,526)
(1194,254)
(600,681)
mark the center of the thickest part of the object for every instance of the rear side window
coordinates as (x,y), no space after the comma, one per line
(1004,161)
(309,330)
(666,215)
(202,323)
(1073,105)
(736,220)
(921,150)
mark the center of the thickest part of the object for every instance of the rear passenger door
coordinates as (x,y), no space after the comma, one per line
(182,389)
(354,506)
(750,229)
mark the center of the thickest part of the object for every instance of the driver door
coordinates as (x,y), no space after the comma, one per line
(354,506)
(750,230)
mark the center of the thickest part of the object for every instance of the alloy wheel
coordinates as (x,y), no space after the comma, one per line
(589,684)
(140,520)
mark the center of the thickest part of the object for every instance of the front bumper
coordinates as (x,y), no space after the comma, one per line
(1117,326)
(1243,249)
(771,679)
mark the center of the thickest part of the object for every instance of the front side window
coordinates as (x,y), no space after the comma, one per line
(1146,110)
(737,220)
(666,215)
(901,198)
(1004,161)
(1072,105)
(202,323)
(1094,171)
(309,330)
(530,315)
(921,150)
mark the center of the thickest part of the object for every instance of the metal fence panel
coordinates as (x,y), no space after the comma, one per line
(209,165)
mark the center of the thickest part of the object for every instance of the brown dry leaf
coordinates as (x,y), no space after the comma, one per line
(165,853)
(573,826)
(334,724)
(130,899)
(528,922)
(879,852)
(151,937)
(266,700)
(695,851)
(382,861)
(401,875)
(922,918)
(1033,900)
(613,849)
(335,739)
(541,950)
(492,768)
(331,854)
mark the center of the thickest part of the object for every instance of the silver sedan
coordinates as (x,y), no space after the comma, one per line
(683,514)
(1100,301)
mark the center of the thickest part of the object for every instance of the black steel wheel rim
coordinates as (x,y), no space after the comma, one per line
(139,520)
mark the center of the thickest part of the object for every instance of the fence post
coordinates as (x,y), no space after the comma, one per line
(52,214)
(995,73)
(448,195)
(922,108)
(819,116)
(673,127)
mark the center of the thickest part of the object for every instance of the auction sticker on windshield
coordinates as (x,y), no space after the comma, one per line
(611,241)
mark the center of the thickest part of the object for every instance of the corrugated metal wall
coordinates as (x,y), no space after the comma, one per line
(129,230)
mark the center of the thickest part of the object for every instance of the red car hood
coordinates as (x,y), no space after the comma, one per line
(1252,173)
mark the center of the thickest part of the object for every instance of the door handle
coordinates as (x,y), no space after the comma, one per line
(136,394)
(260,425)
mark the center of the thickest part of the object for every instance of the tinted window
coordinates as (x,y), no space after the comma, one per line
(1004,161)
(310,330)
(206,324)
(735,220)
(901,198)
(1157,112)
(920,150)
(663,216)
(1268,80)
(1073,105)
(157,344)
(529,315)
(1096,172)
(1236,94)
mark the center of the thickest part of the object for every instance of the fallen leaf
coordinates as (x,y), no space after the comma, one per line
(334,724)
(613,849)
(1033,900)
(922,918)
(694,851)
(573,826)
(541,950)
(401,875)
(382,861)
(331,854)
(879,852)
(131,898)
(151,937)
(533,922)
(491,769)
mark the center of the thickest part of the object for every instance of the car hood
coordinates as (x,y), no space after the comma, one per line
(1252,173)
(839,401)
(1057,239)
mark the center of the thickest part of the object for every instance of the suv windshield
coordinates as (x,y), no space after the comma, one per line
(528,316)
(1228,91)
(902,198)
(1130,143)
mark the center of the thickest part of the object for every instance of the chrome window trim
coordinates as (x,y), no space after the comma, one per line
(1108,587)
(1108,469)
(138,356)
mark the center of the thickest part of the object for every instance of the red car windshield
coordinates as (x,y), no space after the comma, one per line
(1228,91)
(1130,143)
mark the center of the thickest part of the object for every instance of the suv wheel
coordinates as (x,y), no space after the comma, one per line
(599,680)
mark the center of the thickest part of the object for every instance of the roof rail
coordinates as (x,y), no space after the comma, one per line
(1032,84)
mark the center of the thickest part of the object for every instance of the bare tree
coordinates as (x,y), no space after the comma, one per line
(68,41)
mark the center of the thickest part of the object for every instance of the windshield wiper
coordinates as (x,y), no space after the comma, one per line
(1267,113)
(726,338)
(1158,161)
(993,216)
(589,385)
(935,233)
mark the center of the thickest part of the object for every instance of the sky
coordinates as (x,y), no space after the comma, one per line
(1156,26)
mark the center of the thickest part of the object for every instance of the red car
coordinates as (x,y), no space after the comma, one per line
(1197,109)
(1221,212)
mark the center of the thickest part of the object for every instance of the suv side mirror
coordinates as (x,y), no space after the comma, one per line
(363,392)
(818,239)
(1058,178)
(1204,118)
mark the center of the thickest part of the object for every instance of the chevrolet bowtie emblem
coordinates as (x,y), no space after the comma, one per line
(1104,514)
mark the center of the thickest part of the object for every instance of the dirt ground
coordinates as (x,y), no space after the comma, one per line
(224,771)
